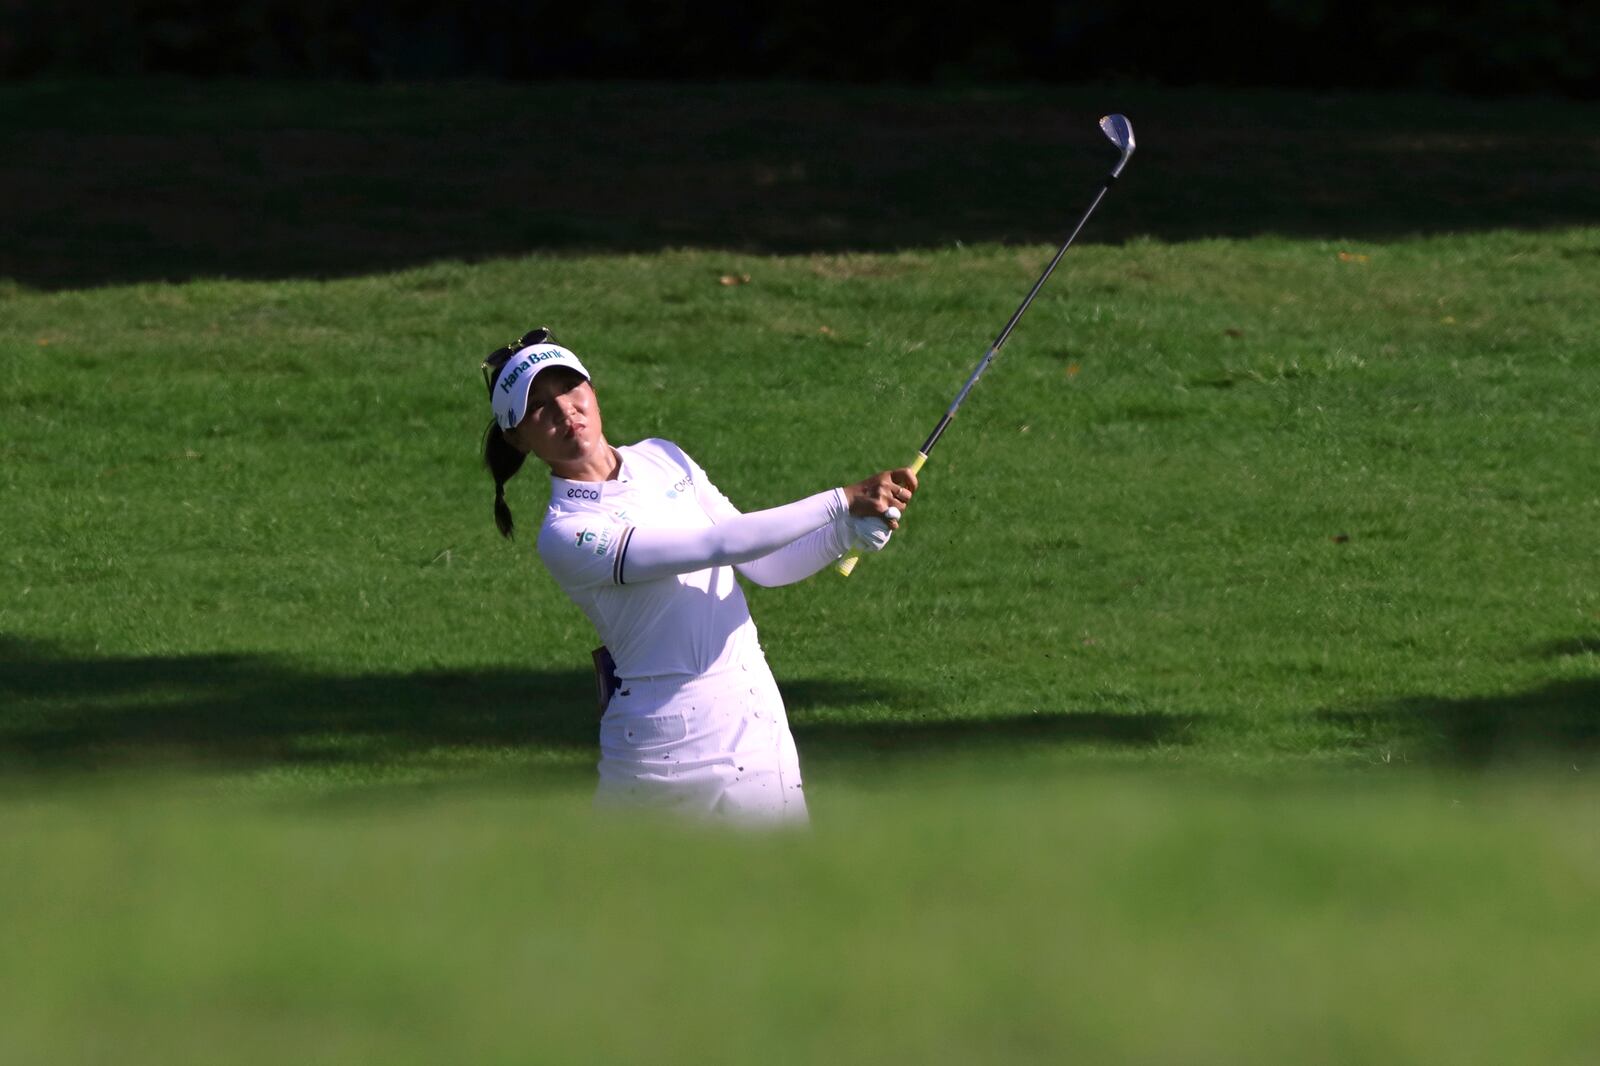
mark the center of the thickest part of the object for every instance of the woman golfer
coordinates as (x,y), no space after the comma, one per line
(646,545)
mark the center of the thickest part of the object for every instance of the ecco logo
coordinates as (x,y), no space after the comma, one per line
(583,494)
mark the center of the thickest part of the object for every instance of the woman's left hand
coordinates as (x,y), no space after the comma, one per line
(881,491)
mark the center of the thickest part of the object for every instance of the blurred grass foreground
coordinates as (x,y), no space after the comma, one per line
(950,920)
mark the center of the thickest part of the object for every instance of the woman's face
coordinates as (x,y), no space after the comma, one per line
(562,422)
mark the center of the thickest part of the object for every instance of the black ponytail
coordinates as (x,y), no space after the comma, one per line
(499,456)
(503,462)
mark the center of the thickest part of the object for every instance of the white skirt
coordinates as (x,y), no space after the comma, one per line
(715,746)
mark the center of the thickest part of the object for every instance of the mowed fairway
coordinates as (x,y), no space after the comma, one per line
(1232,692)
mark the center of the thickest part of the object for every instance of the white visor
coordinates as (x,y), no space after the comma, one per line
(510,391)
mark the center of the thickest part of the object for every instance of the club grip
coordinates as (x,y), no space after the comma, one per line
(848,563)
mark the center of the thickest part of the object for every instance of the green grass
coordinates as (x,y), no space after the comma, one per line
(1231,693)
(1219,501)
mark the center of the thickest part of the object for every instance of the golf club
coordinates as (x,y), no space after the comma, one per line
(1118,129)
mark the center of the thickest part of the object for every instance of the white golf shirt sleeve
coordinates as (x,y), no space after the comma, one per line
(585,549)
(795,561)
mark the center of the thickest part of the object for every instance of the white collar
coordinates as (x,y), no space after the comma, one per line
(591,495)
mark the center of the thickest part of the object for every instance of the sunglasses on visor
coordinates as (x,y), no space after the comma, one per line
(500,356)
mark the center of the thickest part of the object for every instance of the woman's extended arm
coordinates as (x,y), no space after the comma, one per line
(647,554)
(795,561)
(801,558)
(582,549)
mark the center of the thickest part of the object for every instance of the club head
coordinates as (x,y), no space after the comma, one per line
(1120,131)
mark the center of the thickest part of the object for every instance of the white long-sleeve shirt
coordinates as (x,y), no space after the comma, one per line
(649,556)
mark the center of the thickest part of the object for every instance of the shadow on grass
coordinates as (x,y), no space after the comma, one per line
(1561,718)
(63,711)
(167,180)
(1588,644)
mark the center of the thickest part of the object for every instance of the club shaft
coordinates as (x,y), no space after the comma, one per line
(1115,127)
(999,342)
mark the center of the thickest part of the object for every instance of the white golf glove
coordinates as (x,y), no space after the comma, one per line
(872,533)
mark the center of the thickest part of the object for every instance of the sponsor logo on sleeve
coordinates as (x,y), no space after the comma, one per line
(599,543)
(683,485)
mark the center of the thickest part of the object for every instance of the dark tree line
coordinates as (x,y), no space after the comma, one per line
(1485,47)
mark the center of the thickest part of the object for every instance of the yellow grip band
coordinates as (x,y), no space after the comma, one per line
(848,563)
